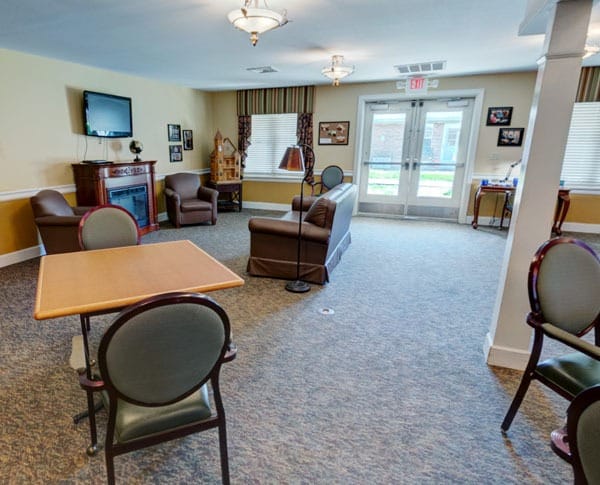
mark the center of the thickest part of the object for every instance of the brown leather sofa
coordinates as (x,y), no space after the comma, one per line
(325,237)
(188,202)
(57,221)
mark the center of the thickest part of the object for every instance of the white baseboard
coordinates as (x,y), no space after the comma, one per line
(267,206)
(20,256)
(579,227)
(504,356)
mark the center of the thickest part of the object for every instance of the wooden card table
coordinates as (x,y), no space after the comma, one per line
(562,204)
(87,283)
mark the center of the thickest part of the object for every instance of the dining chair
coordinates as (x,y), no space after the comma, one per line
(564,295)
(331,176)
(157,360)
(108,226)
(581,443)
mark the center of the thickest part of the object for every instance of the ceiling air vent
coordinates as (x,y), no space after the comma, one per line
(262,69)
(421,68)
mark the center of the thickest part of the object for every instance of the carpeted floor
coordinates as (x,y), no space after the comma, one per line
(390,388)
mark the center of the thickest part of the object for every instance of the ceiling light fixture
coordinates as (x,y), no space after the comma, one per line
(254,20)
(337,70)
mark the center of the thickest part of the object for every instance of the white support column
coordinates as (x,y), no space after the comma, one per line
(508,341)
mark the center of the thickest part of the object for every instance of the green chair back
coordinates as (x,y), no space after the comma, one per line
(108,226)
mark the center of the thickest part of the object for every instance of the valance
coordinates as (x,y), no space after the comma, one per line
(589,85)
(297,99)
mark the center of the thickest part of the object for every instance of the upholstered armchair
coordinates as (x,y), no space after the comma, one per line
(188,202)
(57,221)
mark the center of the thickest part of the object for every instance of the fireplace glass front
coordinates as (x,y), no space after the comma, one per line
(134,199)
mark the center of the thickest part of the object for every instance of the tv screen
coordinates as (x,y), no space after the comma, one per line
(107,115)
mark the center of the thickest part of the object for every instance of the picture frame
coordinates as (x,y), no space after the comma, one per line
(499,115)
(174,132)
(188,140)
(510,137)
(175,153)
(334,132)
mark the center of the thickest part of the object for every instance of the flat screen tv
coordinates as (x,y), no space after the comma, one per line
(107,115)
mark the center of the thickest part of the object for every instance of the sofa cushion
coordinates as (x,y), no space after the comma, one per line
(318,212)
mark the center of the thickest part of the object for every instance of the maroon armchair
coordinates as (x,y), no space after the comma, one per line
(57,221)
(188,202)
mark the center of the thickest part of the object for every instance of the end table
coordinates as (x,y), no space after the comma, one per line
(232,192)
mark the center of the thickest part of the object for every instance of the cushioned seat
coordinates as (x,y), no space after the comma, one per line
(564,295)
(188,202)
(57,221)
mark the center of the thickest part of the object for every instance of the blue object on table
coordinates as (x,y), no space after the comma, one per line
(484,182)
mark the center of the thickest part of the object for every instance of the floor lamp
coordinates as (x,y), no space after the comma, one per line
(293,161)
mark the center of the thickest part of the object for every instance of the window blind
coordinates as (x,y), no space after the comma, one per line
(581,165)
(271,135)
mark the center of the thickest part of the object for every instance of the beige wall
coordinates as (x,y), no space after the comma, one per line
(42,122)
(41,125)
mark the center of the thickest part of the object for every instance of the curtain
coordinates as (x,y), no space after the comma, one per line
(297,99)
(244,133)
(589,85)
(305,136)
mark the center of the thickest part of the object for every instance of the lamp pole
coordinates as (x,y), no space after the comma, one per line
(300,286)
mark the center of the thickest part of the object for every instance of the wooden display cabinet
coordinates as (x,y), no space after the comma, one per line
(128,184)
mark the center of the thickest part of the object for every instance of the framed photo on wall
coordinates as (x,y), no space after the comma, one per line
(499,116)
(333,132)
(174,132)
(188,140)
(175,154)
(510,137)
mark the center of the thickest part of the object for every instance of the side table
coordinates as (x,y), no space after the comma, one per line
(231,192)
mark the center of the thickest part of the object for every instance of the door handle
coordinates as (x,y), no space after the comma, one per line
(406,165)
(415,165)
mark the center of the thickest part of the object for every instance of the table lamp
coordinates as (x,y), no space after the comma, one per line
(293,161)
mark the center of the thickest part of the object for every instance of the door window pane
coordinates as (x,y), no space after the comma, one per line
(387,140)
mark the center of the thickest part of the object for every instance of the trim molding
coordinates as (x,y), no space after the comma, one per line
(21,255)
(504,356)
(268,206)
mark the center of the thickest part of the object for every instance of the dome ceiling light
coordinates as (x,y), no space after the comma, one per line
(254,20)
(337,70)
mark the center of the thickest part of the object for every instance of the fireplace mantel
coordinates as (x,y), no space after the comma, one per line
(96,182)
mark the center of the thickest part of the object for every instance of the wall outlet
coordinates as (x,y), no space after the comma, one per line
(494,156)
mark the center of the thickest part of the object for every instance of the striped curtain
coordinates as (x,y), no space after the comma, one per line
(275,100)
(589,85)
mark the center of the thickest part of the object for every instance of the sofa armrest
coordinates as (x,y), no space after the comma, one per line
(58,220)
(289,229)
(208,194)
(307,201)
(81,210)
(170,193)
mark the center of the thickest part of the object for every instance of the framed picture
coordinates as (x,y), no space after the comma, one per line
(333,132)
(188,140)
(499,116)
(510,137)
(175,154)
(174,132)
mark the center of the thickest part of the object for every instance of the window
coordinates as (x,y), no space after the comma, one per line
(271,135)
(581,165)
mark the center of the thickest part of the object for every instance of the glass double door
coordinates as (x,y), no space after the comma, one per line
(413,158)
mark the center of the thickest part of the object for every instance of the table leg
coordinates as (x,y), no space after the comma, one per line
(562,207)
(91,411)
(476,205)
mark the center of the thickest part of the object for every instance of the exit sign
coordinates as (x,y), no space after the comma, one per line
(416,85)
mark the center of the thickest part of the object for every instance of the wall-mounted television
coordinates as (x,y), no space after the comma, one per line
(107,115)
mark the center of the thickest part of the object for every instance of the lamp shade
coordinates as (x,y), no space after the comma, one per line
(292,160)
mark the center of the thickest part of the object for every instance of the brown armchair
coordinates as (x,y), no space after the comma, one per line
(57,221)
(188,202)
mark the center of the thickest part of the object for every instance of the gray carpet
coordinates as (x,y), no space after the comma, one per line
(390,388)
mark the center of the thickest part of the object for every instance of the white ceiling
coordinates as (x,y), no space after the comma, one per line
(190,42)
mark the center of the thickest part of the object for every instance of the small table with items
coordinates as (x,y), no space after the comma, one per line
(562,206)
(232,191)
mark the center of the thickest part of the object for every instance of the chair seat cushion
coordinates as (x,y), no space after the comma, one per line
(572,372)
(192,205)
(134,421)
